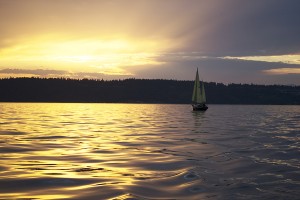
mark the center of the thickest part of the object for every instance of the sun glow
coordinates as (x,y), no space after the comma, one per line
(108,56)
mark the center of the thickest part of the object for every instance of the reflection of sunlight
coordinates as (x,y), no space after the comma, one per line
(75,148)
(46,197)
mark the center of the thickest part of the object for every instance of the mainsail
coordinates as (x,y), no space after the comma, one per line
(198,92)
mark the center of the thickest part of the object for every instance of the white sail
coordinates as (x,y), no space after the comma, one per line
(197,96)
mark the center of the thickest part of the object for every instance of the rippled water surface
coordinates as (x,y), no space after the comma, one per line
(144,151)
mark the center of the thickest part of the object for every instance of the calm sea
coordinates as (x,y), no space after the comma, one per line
(148,151)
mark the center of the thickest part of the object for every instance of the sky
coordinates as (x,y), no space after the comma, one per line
(229,41)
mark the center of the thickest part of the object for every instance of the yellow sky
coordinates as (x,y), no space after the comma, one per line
(90,54)
(83,36)
(146,38)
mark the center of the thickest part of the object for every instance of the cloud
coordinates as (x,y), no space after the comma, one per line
(217,70)
(215,28)
(38,72)
(47,73)
(280,71)
(287,59)
(230,40)
(246,28)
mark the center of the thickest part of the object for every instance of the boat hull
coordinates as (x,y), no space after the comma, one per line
(199,107)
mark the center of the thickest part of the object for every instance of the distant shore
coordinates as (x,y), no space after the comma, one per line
(61,90)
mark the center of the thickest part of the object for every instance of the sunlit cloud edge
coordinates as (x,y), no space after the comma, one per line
(286,59)
(282,71)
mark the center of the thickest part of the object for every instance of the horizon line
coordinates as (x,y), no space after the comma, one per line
(147,79)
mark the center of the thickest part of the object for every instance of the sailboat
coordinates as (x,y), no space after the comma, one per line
(199,97)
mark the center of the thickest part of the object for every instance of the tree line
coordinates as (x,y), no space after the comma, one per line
(141,91)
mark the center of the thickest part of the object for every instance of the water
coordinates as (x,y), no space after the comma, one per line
(144,151)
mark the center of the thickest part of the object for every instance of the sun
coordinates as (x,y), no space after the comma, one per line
(107,55)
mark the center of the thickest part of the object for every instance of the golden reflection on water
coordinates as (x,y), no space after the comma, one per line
(139,151)
(78,142)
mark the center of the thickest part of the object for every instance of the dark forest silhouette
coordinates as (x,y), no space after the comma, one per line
(140,91)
